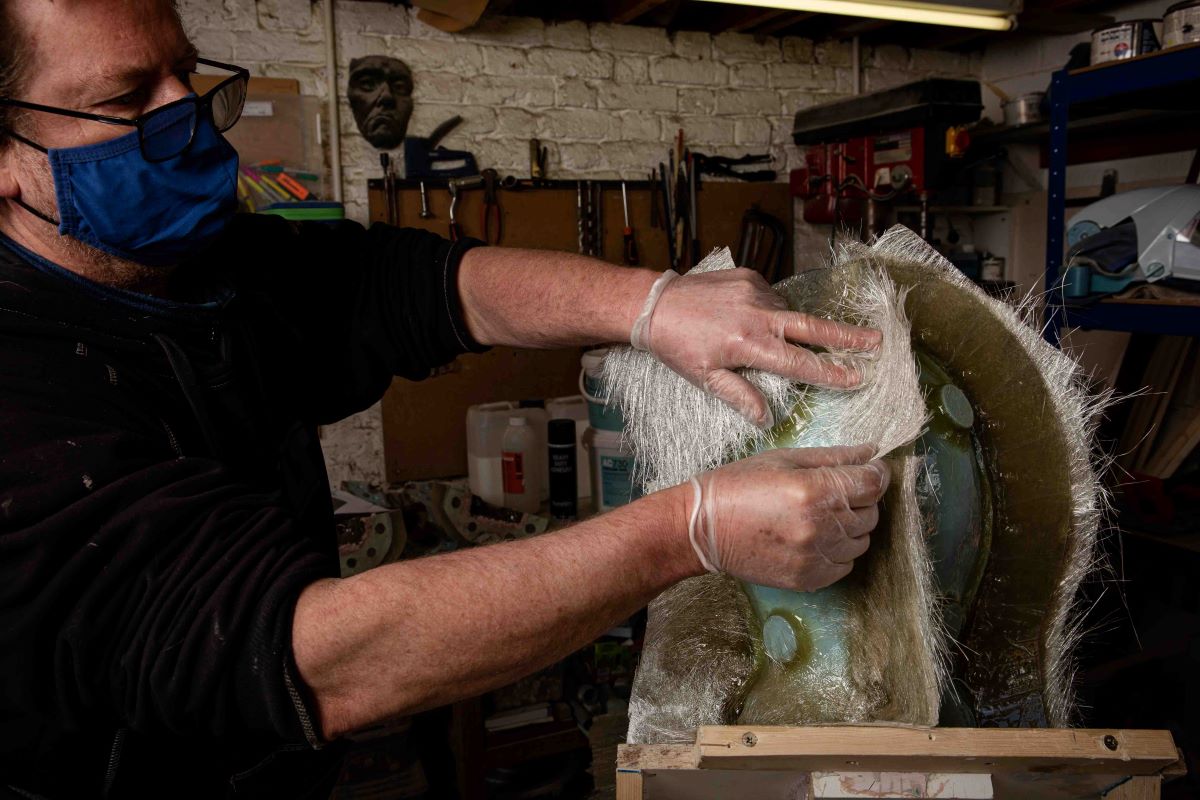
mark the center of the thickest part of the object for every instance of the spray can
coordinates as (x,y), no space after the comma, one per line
(564,503)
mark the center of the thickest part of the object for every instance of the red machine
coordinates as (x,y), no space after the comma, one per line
(850,165)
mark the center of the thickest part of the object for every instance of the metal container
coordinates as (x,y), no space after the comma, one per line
(1181,24)
(1024,110)
(1128,39)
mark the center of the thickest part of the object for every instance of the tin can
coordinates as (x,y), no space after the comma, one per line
(1134,37)
(992,269)
(1181,24)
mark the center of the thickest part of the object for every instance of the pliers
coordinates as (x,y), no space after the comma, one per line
(491,207)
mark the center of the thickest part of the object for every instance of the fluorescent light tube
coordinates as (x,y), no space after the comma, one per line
(956,16)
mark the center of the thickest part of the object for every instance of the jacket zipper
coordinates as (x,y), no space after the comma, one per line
(114,759)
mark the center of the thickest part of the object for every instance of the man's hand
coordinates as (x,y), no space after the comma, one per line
(789,518)
(704,326)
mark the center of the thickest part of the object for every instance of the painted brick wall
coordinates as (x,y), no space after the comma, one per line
(606,99)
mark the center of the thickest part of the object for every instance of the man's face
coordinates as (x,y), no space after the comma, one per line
(380,94)
(117,58)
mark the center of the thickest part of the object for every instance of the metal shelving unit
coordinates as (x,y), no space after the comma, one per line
(1160,83)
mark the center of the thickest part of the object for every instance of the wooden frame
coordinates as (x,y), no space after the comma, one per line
(795,762)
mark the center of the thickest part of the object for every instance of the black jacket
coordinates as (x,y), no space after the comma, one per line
(163,499)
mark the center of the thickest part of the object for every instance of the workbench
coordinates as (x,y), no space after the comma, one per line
(883,761)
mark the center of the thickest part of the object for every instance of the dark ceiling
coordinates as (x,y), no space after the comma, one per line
(1038,18)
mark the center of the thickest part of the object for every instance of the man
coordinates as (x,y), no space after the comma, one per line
(170,620)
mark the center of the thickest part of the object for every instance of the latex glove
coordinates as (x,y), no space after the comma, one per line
(704,326)
(793,518)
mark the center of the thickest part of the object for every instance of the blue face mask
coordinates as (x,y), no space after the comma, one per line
(111,198)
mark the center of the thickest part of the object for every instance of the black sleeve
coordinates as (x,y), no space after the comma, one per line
(139,589)
(365,304)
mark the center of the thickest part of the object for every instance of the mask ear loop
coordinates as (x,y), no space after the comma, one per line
(19,201)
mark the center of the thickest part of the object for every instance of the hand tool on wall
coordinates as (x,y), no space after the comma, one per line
(491,208)
(424,158)
(630,250)
(457,186)
(425,212)
(391,213)
(761,244)
(598,220)
(724,166)
(668,213)
(693,231)
(579,217)
(655,219)
(537,161)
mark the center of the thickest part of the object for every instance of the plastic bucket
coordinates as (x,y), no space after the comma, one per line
(600,415)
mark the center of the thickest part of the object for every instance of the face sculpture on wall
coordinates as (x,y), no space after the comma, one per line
(380,93)
(961,613)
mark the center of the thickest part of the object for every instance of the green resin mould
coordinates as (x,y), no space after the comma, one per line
(984,536)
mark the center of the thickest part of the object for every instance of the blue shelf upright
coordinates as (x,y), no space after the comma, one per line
(1164,80)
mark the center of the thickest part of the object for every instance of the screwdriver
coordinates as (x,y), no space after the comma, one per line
(631,253)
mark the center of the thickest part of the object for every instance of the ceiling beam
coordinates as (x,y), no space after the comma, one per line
(784,22)
(622,12)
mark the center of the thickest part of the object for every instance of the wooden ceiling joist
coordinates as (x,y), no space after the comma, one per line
(622,12)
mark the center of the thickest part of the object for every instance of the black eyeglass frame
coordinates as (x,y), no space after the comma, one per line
(201,103)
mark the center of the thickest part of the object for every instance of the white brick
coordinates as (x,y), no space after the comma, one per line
(380,18)
(697,101)
(477,121)
(442,56)
(938,61)
(743,47)
(509,31)
(285,15)
(793,100)
(692,44)
(792,76)
(495,91)
(568,35)
(700,130)
(690,73)
(752,131)
(632,159)
(797,50)
(582,158)
(876,79)
(249,46)
(505,155)
(443,87)
(748,101)
(312,80)
(229,15)
(889,56)
(631,69)
(630,38)
(748,74)
(506,61)
(639,126)
(213,43)
(578,125)
(357,45)
(834,53)
(575,93)
(617,96)
(824,78)
(514,123)
(571,64)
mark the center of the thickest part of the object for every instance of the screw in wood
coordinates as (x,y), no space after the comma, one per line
(749,739)
(1110,742)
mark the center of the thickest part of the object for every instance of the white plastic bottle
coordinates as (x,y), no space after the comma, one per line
(521,459)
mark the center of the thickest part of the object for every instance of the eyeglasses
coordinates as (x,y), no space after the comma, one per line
(168,130)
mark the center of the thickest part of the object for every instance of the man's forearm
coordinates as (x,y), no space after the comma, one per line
(544,298)
(418,634)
